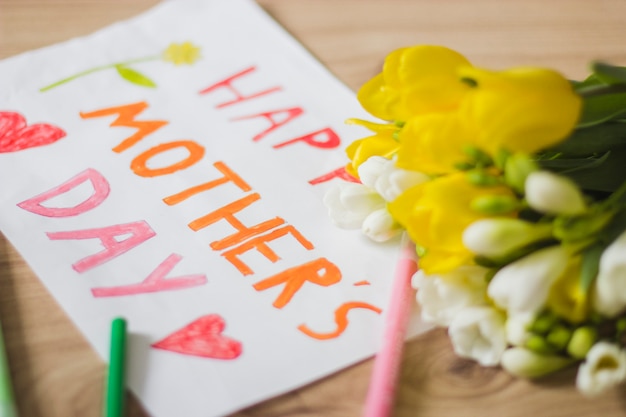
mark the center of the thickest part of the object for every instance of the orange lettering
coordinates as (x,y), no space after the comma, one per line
(140,163)
(259,243)
(126,117)
(320,271)
(226,213)
(229,176)
(341,319)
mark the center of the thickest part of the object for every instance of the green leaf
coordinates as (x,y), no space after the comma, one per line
(609,74)
(590,266)
(570,165)
(601,108)
(135,77)
(603,174)
(593,140)
(590,81)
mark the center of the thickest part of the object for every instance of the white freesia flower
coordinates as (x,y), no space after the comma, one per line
(442,296)
(382,175)
(478,333)
(604,367)
(523,286)
(525,363)
(517,326)
(553,194)
(609,297)
(349,204)
(353,205)
(499,236)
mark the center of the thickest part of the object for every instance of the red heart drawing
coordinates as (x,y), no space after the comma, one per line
(16,135)
(202,337)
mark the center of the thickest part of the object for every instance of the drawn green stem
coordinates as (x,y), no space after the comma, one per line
(100,68)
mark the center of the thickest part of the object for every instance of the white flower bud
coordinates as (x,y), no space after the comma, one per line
(523,286)
(609,297)
(372,169)
(382,175)
(550,193)
(442,296)
(497,237)
(380,226)
(525,363)
(516,328)
(604,367)
(478,333)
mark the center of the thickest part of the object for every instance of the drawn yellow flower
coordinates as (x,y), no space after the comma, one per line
(185,53)
(436,213)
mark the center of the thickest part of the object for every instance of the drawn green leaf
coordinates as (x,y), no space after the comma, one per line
(134,77)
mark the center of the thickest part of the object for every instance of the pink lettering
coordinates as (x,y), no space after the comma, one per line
(98,183)
(139,232)
(156,281)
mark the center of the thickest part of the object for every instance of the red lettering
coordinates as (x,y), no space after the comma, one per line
(340,173)
(239,97)
(324,138)
(287,115)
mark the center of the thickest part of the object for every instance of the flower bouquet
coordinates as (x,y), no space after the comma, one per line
(512,186)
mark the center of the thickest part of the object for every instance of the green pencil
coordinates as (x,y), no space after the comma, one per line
(7,401)
(115,382)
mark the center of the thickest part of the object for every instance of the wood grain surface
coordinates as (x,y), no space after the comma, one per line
(56,374)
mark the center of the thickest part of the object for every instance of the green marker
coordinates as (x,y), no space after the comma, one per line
(7,402)
(115,381)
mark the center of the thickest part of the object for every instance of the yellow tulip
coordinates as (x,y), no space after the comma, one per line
(436,213)
(415,80)
(520,110)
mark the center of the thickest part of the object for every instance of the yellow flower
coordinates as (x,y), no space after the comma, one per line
(567,298)
(521,109)
(435,215)
(181,53)
(416,80)
(433,143)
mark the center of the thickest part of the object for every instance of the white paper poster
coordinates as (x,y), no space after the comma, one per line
(170,169)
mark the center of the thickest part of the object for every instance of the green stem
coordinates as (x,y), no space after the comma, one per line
(617,196)
(100,68)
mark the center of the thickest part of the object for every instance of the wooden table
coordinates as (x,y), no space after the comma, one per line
(56,374)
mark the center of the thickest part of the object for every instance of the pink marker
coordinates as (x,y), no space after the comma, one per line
(382,389)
